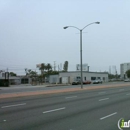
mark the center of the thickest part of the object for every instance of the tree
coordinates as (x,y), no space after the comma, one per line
(54,72)
(42,68)
(48,67)
(12,74)
(128,73)
(111,76)
(27,71)
(33,73)
(65,66)
(30,73)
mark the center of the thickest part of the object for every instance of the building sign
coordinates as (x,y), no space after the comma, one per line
(38,65)
(84,67)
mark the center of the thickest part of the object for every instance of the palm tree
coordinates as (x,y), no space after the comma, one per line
(48,67)
(42,68)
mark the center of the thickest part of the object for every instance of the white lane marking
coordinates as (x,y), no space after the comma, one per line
(4,120)
(108,116)
(121,89)
(101,92)
(128,94)
(54,110)
(71,97)
(103,99)
(15,105)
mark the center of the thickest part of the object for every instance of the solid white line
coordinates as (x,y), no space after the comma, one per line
(15,105)
(101,92)
(54,110)
(71,97)
(103,99)
(108,116)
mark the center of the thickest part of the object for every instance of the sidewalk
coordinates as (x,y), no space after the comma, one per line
(32,86)
(22,94)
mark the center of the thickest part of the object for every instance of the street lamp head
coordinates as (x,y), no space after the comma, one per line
(97,22)
(65,27)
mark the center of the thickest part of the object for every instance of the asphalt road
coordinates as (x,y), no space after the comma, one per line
(19,89)
(98,109)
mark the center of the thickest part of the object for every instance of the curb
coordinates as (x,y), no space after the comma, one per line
(58,85)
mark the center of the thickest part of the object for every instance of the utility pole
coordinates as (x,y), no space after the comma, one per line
(54,65)
(58,68)
(110,69)
(6,83)
(116,72)
(61,66)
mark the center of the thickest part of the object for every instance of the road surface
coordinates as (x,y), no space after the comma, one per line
(19,88)
(98,109)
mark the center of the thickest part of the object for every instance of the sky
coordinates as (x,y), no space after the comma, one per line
(31,32)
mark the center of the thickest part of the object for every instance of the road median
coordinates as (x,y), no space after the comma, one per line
(22,94)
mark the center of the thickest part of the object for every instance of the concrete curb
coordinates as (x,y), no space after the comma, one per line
(55,85)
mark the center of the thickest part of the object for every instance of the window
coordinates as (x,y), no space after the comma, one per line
(93,78)
(78,78)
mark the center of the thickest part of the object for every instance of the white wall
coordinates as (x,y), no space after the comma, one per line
(73,75)
(123,68)
(54,79)
(1,75)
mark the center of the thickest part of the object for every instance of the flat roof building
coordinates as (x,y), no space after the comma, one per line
(123,68)
(69,77)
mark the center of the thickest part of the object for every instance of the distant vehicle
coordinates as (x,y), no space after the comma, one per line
(100,81)
(87,82)
(127,80)
(97,81)
(75,82)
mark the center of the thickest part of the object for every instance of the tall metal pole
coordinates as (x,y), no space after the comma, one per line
(81,59)
(81,47)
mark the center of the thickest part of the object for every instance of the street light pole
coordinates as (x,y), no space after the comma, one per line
(81,80)
(81,48)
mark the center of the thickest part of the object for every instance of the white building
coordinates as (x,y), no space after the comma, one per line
(69,77)
(123,68)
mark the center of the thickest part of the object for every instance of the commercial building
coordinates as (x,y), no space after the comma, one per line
(5,79)
(69,77)
(123,68)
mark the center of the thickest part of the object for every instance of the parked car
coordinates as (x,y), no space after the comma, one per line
(87,82)
(75,82)
(127,80)
(97,81)
(100,81)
